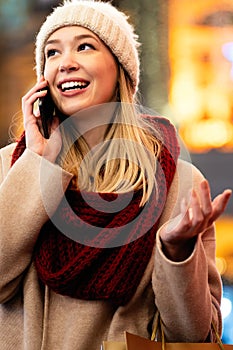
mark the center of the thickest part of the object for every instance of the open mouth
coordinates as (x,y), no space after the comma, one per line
(73,85)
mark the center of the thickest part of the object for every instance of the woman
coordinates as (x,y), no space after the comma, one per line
(75,269)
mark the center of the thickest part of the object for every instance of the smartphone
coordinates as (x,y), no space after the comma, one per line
(46,107)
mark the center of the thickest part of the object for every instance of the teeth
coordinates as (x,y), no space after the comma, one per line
(73,84)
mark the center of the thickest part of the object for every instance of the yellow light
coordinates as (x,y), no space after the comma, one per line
(221,265)
(186,98)
(206,134)
(218,103)
(224,237)
(201,85)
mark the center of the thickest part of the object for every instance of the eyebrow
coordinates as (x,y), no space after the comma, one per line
(77,37)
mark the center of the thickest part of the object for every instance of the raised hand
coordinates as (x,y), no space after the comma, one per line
(179,235)
(48,148)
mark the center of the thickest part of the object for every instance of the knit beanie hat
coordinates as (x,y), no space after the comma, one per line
(102,18)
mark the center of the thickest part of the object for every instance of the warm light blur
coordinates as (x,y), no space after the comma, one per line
(206,134)
(201,84)
(224,245)
(201,91)
(224,236)
(221,265)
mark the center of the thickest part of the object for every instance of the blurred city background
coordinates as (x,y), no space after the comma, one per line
(187,75)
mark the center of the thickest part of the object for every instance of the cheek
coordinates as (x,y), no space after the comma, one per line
(111,74)
(49,76)
(48,72)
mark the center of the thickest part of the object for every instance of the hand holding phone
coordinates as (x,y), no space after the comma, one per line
(46,107)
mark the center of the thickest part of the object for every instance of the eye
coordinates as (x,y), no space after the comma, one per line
(85,47)
(50,52)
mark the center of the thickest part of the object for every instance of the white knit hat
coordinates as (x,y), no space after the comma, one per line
(110,24)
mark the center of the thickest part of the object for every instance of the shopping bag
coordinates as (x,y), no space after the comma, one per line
(135,342)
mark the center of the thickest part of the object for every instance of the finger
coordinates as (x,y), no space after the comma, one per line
(205,198)
(219,204)
(29,99)
(37,112)
(37,91)
(41,85)
(198,217)
(29,115)
(185,217)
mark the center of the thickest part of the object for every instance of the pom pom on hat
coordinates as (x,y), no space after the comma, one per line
(102,18)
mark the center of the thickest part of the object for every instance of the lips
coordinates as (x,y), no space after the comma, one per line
(73,85)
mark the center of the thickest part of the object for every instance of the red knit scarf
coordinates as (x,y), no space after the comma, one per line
(92,272)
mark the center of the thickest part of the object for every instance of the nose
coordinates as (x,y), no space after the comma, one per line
(68,64)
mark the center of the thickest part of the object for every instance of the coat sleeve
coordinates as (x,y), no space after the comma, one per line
(187,293)
(30,191)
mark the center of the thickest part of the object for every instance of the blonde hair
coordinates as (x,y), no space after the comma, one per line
(125,160)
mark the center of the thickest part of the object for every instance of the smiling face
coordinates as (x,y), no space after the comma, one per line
(80,69)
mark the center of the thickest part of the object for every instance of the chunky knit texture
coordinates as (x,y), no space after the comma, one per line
(92,273)
(110,24)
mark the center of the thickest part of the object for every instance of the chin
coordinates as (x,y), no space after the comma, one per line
(61,115)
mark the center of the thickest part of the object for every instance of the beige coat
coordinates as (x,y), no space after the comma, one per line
(32,317)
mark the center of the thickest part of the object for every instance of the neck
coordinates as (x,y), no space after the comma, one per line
(95,136)
(92,123)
